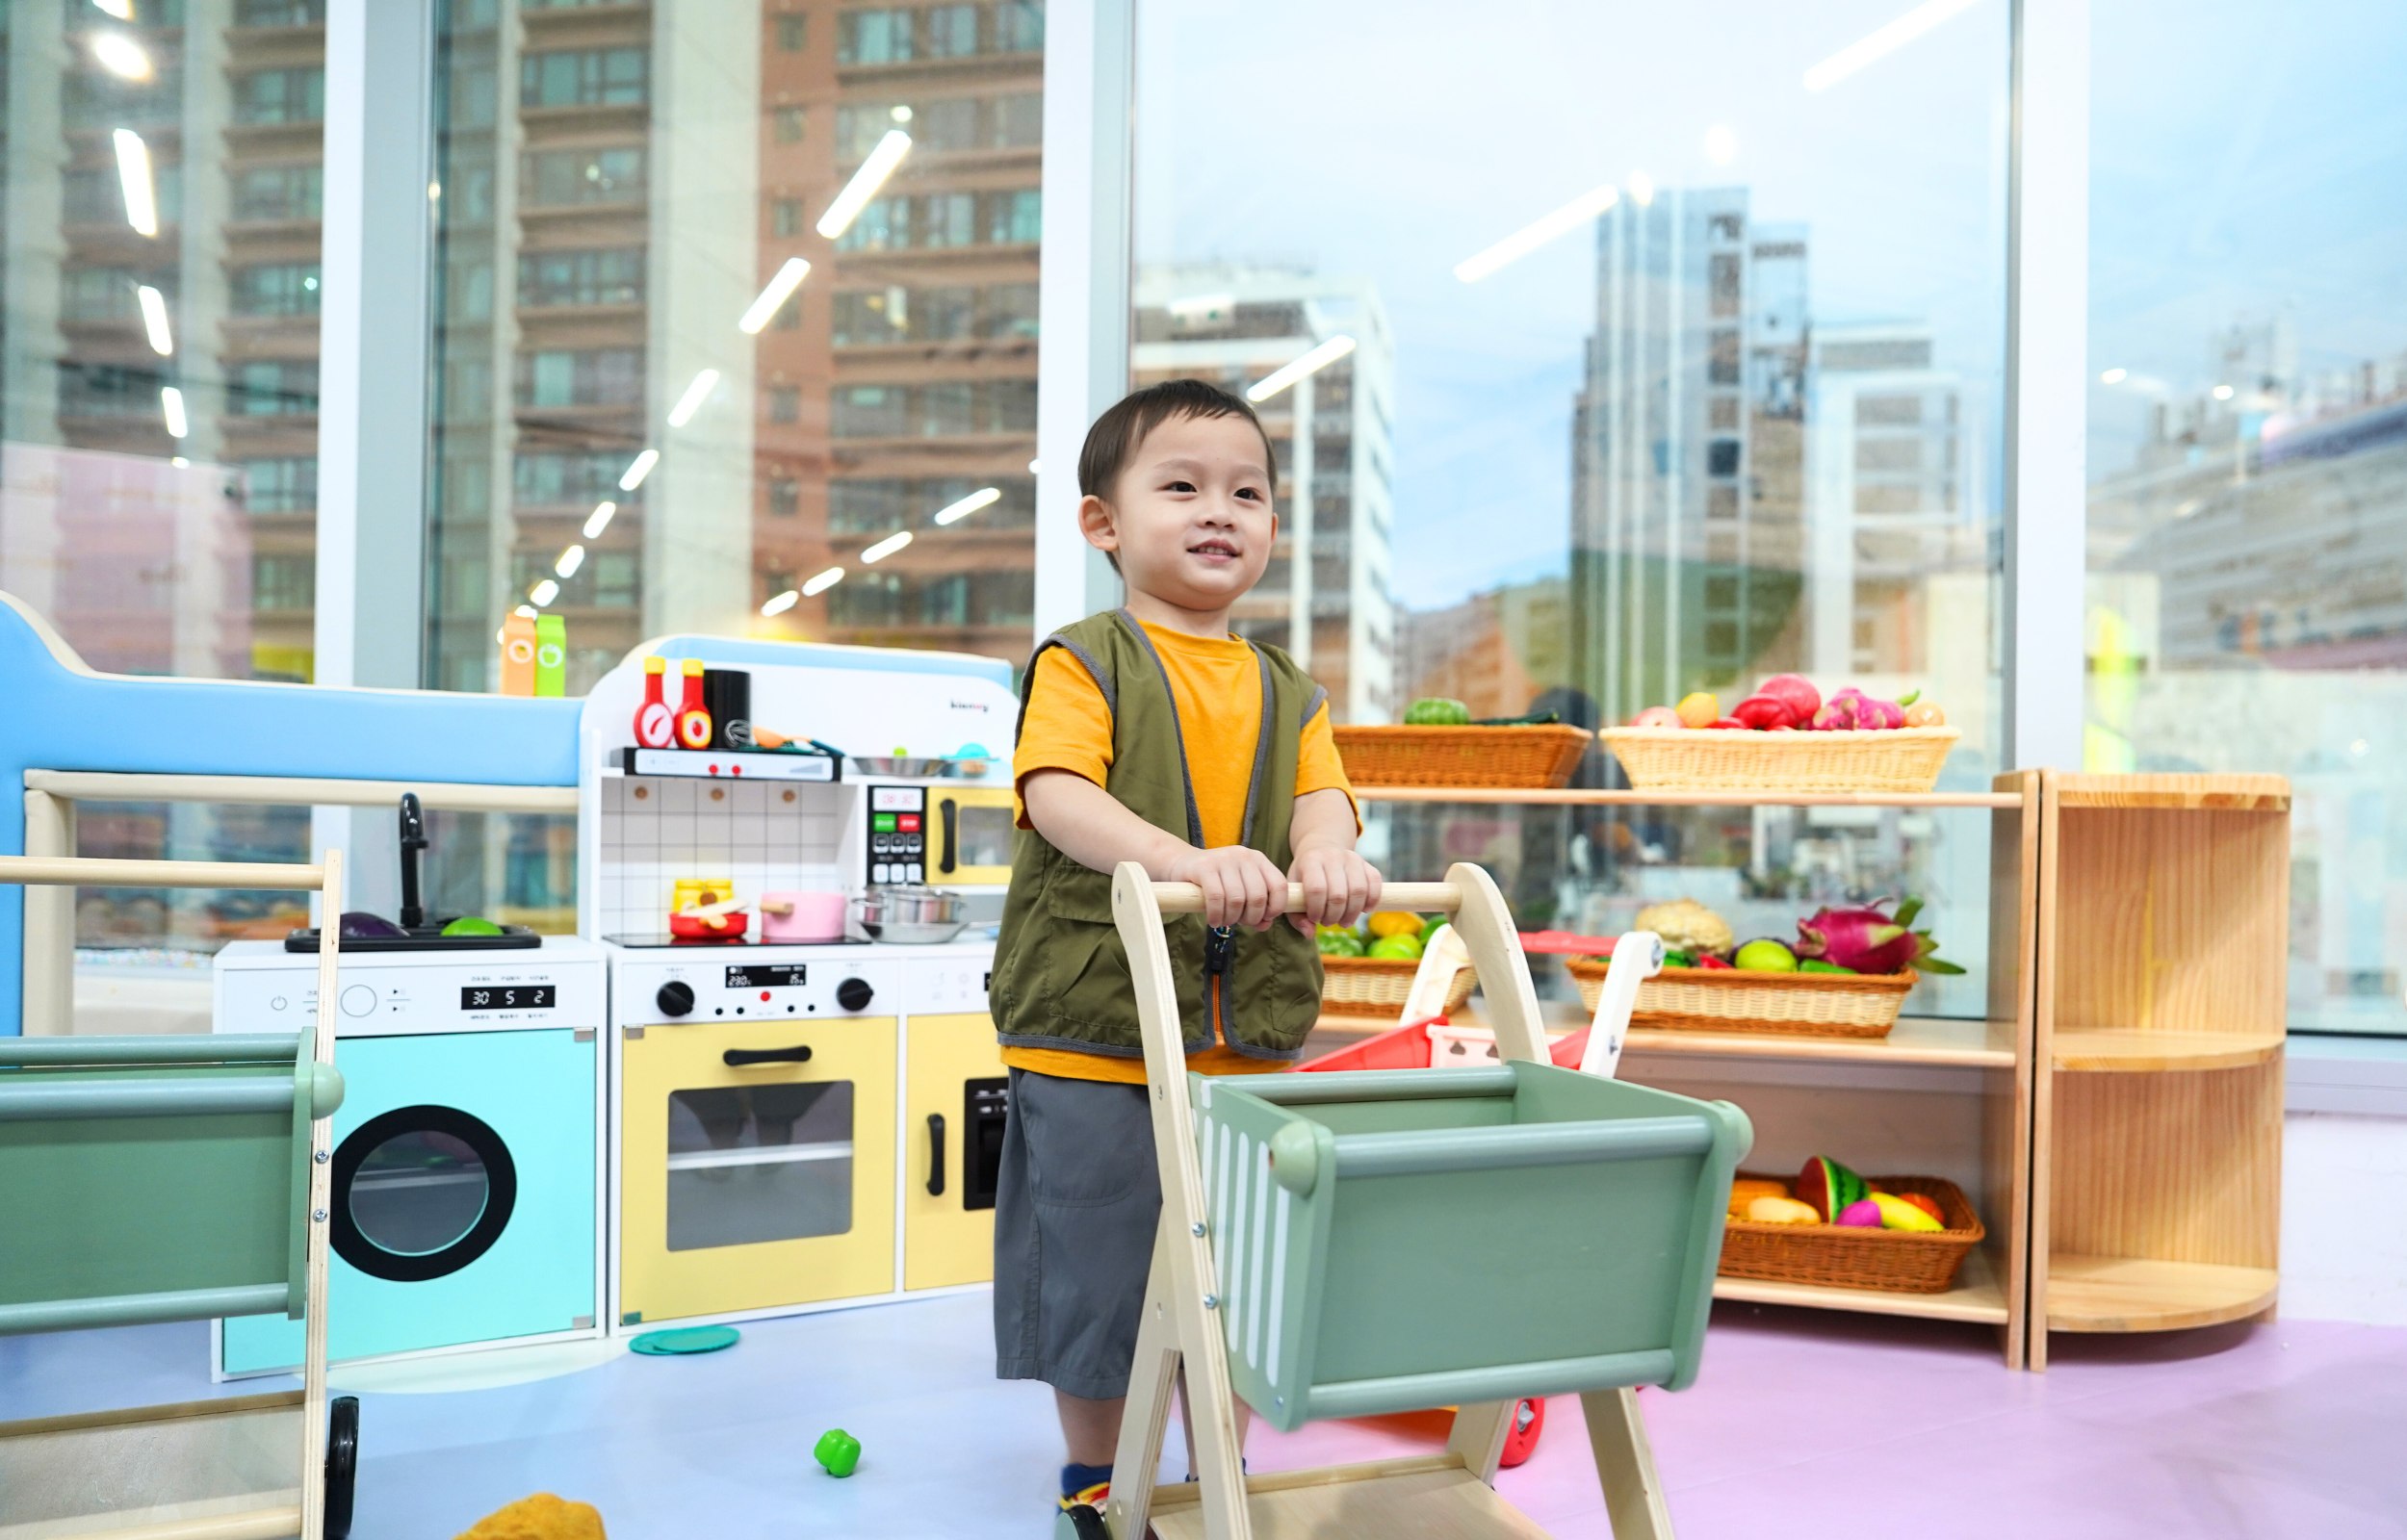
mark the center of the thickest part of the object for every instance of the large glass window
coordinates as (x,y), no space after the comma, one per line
(2247,595)
(158,299)
(1603,350)
(685,427)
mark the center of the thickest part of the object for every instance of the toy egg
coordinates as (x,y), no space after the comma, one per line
(1863,1213)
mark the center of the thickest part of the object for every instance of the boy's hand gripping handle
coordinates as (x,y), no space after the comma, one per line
(1185,898)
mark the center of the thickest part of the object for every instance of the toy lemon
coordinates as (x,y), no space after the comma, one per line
(1394,922)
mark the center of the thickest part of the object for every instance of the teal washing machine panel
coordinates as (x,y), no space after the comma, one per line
(463,1206)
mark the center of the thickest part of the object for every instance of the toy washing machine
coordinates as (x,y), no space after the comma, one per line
(466,1204)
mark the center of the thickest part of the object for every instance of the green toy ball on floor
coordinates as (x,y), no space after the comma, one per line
(838,1453)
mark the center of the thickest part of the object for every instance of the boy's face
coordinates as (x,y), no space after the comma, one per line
(1190,516)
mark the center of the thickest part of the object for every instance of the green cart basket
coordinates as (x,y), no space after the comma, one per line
(174,1178)
(1350,1244)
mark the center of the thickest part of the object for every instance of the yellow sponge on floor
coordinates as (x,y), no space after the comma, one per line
(541,1517)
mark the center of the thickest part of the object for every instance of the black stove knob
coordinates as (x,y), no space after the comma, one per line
(855,995)
(675,998)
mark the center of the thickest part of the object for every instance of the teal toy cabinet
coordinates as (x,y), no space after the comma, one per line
(1346,1245)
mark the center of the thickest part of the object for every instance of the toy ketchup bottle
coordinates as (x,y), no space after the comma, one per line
(694,718)
(656,720)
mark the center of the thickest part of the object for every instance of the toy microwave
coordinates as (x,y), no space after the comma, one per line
(944,836)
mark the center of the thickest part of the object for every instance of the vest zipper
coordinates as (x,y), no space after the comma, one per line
(1220,946)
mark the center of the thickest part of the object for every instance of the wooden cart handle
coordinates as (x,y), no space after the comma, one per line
(1185,898)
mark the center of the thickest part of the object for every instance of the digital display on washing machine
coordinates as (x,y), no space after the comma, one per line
(510,998)
(766,975)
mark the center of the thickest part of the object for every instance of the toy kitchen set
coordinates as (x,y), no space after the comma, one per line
(795,857)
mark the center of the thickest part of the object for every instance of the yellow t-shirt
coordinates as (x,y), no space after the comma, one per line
(1216,685)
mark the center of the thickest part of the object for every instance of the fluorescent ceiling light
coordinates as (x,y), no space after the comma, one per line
(121,55)
(544,592)
(1721,144)
(864,183)
(2114,376)
(773,295)
(142,206)
(1641,188)
(1032,468)
(887,546)
(1528,239)
(637,469)
(179,462)
(599,520)
(1295,368)
(122,10)
(900,114)
(527,610)
(570,560)
(2222,392)
(982,498)
(691,401)
(155,321)
(171,407)
(780,605)
(1882,42)
(824,582)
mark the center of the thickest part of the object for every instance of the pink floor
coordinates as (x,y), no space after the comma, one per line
(1811,1425)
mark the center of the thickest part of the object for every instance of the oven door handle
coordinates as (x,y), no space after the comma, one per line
(740,1058)
(949,810)
(936,1154)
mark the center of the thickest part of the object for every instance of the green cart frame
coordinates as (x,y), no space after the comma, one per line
(174,1178)
(1353,1244)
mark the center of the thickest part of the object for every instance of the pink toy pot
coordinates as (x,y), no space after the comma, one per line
(808,916)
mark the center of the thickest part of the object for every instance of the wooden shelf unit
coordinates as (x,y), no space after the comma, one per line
(2159,1010)
(1996,1053)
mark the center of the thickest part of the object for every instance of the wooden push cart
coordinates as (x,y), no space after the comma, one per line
(174,1178)
(1351,1244)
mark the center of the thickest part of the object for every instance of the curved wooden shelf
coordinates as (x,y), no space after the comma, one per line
(1582,797)
(2133,1293)
(2126,1050)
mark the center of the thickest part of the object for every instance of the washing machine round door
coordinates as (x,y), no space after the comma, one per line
(421,1193)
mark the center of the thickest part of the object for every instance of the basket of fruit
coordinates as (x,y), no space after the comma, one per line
(1439,745)
(1367,971)
(1846,976)
(1785,737)
(1831,1227)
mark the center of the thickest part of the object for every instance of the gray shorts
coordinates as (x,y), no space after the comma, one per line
(1075,1206)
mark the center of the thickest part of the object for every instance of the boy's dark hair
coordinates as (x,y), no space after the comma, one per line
(1116,433)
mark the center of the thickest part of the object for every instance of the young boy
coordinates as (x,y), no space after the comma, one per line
(1150,735)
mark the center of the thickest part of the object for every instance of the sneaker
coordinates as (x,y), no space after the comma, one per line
(1088,1485)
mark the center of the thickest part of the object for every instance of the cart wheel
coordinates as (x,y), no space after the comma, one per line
(342,1463)
(1529,1420)
(1081,1522)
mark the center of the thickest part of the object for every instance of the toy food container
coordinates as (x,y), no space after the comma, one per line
(806,916)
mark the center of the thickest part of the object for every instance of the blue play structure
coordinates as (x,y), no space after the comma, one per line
(64,717)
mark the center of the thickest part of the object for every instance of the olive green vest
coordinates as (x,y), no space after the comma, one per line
(1061,977)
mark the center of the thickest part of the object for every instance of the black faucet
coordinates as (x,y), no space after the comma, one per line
(413,840)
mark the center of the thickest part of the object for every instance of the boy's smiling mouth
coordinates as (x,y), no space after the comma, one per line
(1214,550)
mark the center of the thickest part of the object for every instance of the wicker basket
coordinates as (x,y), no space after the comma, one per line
(1810,1005)
(1703,759)
(1486,758)
(1843,1256)
(1377,985)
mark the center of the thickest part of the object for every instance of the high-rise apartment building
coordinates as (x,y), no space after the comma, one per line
(1688,452)
(1333,432)
(621,182)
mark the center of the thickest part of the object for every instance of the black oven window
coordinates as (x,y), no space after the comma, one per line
(985,837)
(755,1164)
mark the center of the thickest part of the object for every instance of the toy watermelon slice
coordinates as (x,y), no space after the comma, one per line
(1829,1188)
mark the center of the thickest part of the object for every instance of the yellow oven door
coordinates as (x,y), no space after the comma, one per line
(970,837)
(757,1165)
(953,1143)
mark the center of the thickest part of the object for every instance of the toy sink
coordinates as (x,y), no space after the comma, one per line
(1373,1232)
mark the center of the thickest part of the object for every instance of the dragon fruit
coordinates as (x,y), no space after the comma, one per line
(1870,941)
(1852,711)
